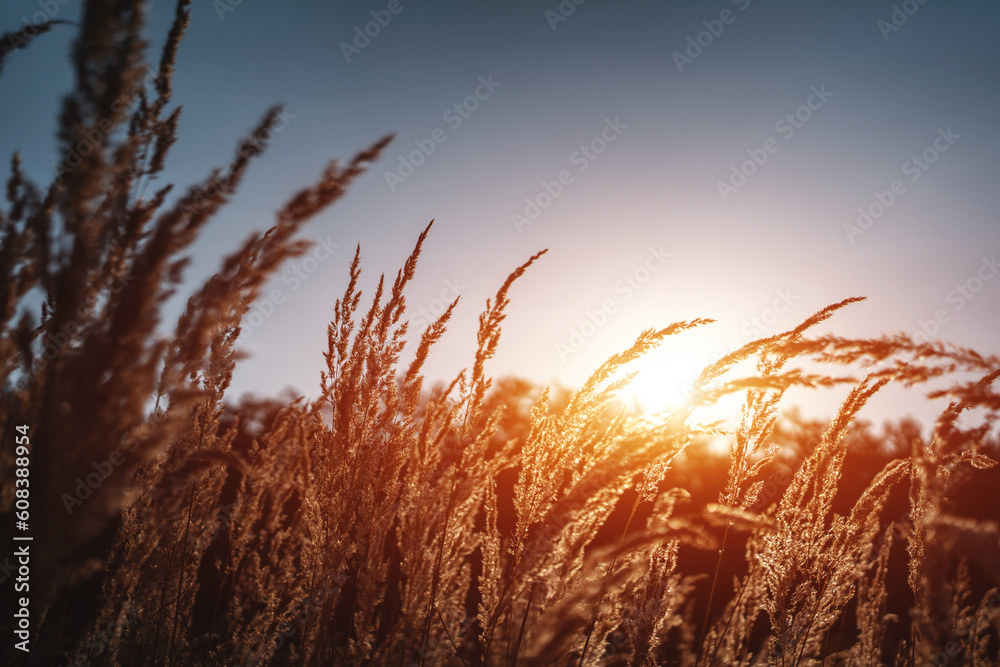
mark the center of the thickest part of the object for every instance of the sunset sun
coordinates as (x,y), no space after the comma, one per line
(664,378)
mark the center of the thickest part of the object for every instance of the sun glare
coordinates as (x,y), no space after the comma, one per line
(665,376)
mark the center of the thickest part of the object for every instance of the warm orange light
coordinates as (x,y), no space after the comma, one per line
(666,375)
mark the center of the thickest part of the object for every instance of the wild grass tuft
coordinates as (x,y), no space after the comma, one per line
(385,521)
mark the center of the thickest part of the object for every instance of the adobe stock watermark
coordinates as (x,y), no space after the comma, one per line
(757,326)
(786,126)
(900,14)
(54,343)
(106,467)
(962,637)
(95,136)
(581,158)
(772,487)
(455,116)
(103,469)
(381,18)
(565,9)
(102,638)
(915,167)
(219,181)
(428,313)
(297,272)
(223,521)
(301,610)
(48,11)
(223,7)
(696,44)
(624,290)
(761,325)
(958,297)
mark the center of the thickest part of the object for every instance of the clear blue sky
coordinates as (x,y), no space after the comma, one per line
(659,214)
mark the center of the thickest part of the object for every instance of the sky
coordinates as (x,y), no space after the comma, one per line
(744,161)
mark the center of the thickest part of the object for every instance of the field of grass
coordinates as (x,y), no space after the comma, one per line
(385,521)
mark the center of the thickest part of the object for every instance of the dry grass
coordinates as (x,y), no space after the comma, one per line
(388,523)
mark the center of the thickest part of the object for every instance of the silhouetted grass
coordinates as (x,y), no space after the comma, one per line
(388,523)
